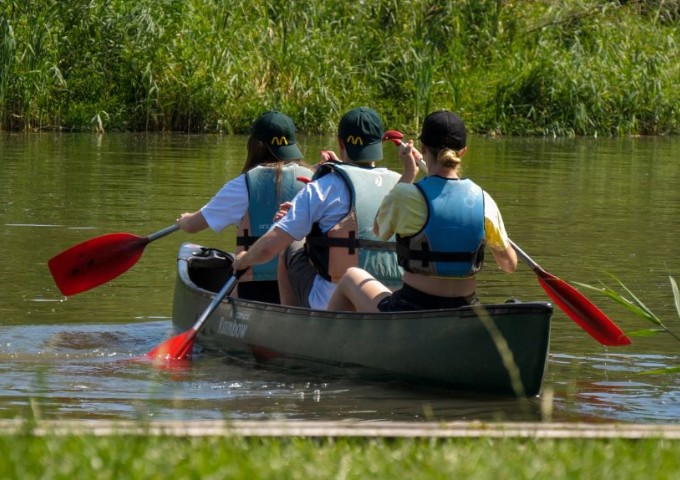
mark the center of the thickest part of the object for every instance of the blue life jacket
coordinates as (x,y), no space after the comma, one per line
(451,243)
(351,242)
(264,197)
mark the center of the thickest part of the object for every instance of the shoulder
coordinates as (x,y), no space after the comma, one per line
(385,170)
(492,213)
(259,172)
(489,202)
(260,169)
(321,190)
(387,173)
(236,183)
(406,189)
(404,192)
(331,178)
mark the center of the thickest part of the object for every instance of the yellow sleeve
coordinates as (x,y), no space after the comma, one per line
(496,236)
(402,211)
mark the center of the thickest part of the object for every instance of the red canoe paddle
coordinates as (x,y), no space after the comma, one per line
(180,346)
(568,299)
(577,306)
(100,259)
(396,137)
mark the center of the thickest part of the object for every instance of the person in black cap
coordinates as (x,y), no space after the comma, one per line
(250,201)
(327,227)
(442,224)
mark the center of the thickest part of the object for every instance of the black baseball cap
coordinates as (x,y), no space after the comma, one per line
(277,131)
(361,131)
(444,129)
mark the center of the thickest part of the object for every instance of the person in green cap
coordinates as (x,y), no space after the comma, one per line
(328,226)
(250,201)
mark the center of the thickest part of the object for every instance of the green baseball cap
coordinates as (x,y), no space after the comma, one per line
(277,131)
(361,130)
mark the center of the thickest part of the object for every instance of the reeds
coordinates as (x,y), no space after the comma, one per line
(576,67)
(633,304)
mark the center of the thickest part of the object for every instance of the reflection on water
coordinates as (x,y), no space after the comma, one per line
(616,387)
(579,207)
(94,371)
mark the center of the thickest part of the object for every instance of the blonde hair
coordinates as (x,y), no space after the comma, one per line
(448,158)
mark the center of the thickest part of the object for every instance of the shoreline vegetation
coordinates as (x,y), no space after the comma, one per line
(546,67)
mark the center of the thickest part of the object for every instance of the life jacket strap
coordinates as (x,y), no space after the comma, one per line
(245,240)
(351,243)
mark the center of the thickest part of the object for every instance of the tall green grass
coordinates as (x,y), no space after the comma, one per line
(569,67)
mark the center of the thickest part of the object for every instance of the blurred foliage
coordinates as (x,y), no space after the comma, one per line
(546,67)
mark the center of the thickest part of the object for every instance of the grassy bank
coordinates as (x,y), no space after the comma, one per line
(584,67)
(76,457)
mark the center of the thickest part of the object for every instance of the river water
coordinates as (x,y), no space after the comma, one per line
(582,208)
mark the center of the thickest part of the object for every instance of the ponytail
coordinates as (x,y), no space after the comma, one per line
(448,158)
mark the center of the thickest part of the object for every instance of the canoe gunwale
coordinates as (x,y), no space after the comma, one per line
(452,348)
(468,311)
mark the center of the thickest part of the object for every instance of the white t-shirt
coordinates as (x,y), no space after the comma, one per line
(324,201)
(228,206)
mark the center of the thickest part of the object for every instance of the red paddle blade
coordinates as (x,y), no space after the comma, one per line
(178,347)
(582,311)
(393,136)
(95,261)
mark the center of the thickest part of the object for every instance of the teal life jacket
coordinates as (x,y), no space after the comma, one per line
(351,242)
(264,197)
(451,243)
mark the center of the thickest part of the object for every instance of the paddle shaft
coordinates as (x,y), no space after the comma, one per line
(421,162)
(226,290)
(180,346)
(526,258)
(163,233)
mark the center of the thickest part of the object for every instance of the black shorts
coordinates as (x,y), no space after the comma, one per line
(408,299)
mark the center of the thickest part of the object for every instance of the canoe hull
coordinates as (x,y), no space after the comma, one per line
(501,349)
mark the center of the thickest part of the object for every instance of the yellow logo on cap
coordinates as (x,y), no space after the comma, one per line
(355,140)
(279,141)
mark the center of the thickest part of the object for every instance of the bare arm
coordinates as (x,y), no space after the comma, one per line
(506,259)
(264,249)
(192,222)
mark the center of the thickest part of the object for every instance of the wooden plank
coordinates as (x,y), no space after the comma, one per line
(317,429)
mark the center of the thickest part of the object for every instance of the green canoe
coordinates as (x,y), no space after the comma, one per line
(499,349)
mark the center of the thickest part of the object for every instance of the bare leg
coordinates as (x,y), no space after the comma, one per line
(286,293)
(358,291)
